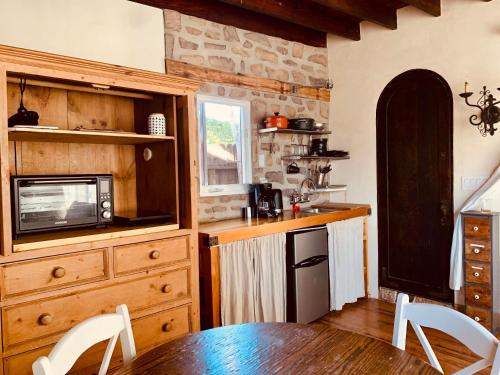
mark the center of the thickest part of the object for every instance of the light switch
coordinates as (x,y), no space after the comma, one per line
(473,183)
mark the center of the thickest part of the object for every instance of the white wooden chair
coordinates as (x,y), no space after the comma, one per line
(86,334)
(470,333)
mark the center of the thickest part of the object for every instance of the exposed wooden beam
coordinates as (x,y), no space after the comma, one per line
(433,7)
(227,14)
(365,10)
(304,13)
(181,69)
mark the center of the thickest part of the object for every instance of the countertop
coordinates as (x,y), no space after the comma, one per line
(229,230)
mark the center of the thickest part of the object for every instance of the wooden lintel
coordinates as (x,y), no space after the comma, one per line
(186,70)
(433,7)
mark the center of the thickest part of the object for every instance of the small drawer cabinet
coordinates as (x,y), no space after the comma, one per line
(482,268)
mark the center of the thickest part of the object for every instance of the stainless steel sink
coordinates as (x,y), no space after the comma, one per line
(318,210)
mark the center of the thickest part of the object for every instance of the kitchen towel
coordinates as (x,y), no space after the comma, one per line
(345,256)
(253,280)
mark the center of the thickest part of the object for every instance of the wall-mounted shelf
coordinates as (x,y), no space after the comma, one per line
(293,131)
(331,189)
(301,157)
(82,136)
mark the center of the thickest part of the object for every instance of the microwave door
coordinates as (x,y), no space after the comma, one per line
(52,204)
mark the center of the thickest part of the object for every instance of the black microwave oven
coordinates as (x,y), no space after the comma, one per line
(46,203)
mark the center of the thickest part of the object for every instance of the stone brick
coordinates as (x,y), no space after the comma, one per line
(258,38)
(319,59)
(273,108)
(269,96)
(216,209)
(236,208)
(225,198)
(172,20)
(207,200)
(221,91)
(257,69)
(278,74)
(240,51)
(222,63)
(230,34)
(289,62)
(317,82)
(169,45)
(193,31)
(258,111)
(213,34)
(292,180)
(282,50)
(301,109)
(237,93)
(324,109)
(291,112)
(311,105)
(297,50)
(192,59)
(275,176)
(283,97)
(299,77)
(297,101)
(307,68)
(214,46)
(255,93)
(207,88)
(265,55)
(186,44)
(248,44)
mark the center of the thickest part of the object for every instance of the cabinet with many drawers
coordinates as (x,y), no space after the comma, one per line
(482,268)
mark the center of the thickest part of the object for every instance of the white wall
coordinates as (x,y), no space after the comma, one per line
(113,31)
(463,44)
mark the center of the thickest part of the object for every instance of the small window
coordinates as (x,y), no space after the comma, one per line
(225,146)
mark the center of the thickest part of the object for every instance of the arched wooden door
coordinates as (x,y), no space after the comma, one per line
(415,184)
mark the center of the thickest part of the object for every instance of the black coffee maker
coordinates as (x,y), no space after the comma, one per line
(266,201)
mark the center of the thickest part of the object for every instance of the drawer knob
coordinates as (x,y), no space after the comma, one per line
(477,251)
(45,319)
(59,272)
(477,319)
(155,254)
(166,288)
(167,327)
(476,296)
(476,228)
(476,274)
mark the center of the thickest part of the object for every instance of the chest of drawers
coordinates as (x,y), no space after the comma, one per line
(482,268)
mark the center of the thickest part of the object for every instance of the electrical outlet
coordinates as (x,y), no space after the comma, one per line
(473,183)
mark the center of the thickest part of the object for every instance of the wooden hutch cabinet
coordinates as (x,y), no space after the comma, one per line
(51,281)
(482,268)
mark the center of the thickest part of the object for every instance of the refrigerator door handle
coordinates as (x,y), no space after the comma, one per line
(312,261)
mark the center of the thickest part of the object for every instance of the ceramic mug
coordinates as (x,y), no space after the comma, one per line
(157,124)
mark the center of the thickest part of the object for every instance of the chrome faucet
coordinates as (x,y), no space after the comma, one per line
(303,197)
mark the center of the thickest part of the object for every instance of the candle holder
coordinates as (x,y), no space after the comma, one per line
(490,113)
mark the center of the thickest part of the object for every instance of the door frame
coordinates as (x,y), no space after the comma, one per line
(382,183)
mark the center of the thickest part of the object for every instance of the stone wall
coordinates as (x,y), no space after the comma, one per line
(208,44)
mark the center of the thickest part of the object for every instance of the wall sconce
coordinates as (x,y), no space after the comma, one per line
(490,113)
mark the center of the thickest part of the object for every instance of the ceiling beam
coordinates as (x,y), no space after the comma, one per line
(365,10)
(227,14)
(304,13)
(433,7)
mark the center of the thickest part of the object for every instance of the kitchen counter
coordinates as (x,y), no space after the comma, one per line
(213,234)
(230,230)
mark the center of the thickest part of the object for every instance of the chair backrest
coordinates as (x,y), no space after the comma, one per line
(83,336)
(470,333)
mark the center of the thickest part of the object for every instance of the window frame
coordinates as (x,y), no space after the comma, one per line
(246,147)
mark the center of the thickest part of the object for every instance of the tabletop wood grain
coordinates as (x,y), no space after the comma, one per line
(276,348)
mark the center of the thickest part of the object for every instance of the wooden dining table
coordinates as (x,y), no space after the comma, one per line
(276,348)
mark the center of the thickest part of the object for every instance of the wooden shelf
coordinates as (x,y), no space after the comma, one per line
(293,131)
(299,157)
(75,236)
(82,136)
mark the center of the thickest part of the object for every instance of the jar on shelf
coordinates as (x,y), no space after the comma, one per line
(157,124)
